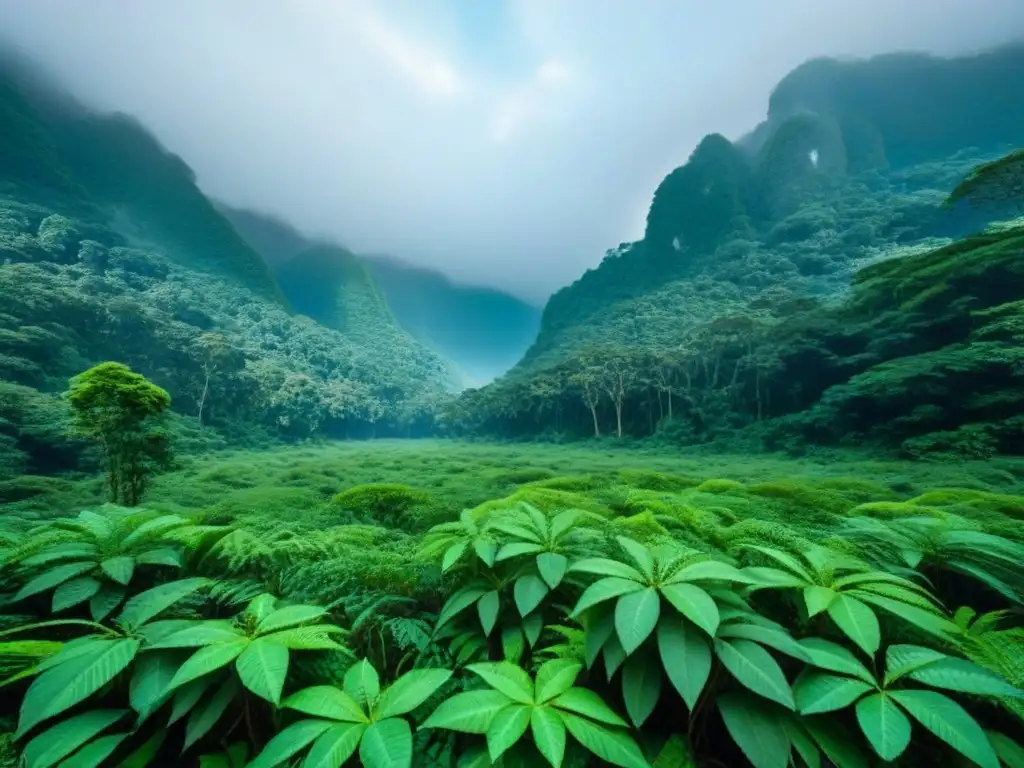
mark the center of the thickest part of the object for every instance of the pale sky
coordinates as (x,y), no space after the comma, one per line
(505,142)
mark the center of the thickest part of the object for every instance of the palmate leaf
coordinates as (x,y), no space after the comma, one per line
(777,639)
(583,701)
(929,621)
(835,658)
(517,549)
(65,685)
(146,605)
(857,621)
(818,599)
(187,696)
(208,659)
(636,616)
(548,732)
(757,729)
(816,692)
(289,616)
(755,669)
(52,578)
(835,740)
(262,667)
(469,712)
(950,722)
(641,687)
(289,742)
(362,683)
(901,660)
(198,635)
(600,566)
(71,550)
(506,728)
(409,691)
(786,560)
(695,604)
(613,746)
(614,655)
(312,638)
(328,702)
(554,677)
(74,592)
(387,744)
(884,724)
(709,570)
(965,677)
(506,677)
(801,741)
(335,746)
(639,554)
(686,657)
(53,745)
(161,556)
(458,602)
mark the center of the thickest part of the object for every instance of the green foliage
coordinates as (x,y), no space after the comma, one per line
(382,502)
(121,409)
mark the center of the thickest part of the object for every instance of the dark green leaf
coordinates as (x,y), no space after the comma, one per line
(290,741)
(52,578)
(120,569)
(73,592)
(263,667)
(586,702)
(529,591)
(857,621)
(52,746)
(641,687)
(554,677)
(695,604)
(816,692)
(327,702)
(757,729)
(686,657)
(886,727)
(636,616)
(387,744)
(487,607)
(755,669)
(950,722)
(609,744)
(206,715)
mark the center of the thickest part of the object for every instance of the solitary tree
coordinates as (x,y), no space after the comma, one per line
(123,411)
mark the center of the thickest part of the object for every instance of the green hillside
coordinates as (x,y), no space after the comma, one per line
(731,313)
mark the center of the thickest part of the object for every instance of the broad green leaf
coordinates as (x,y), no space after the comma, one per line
(452,555)
(602,566)
(409,691)
(335,746)
(613,746)
(552,567)
(151,680)
(772,578)
(639,554)
(459,602)
(469,712)
(695,604)
(289,616)
(901,660)
(614,655)
(836,741)
(198,635)
(641,687)
(157,631)
(327,702)
(154,529)
(52,746)
(965,677)
(162,556)
(709,570)
(886,727)
(818,599)
(187,696)
(73,592)
(487,607)
(816,692)
(63,686)
(1008,750)
(507,727)
(120,569)
(103,603)
(598,630)
(757,730)
(517,549)
(71,550)
(263,667)
(636,616)
(833,657)
(548,734)
(676,753)
(512,644)
(686,657)
(486,550)
(313,638)
(515,531)
(896,593)
(52,578)
(145,605)
(290,741)
(206,715)
(563,522)
(261,606)
(529,591)
(387,744)
(143,756)
(857,621)
(927,620)
(554,677)
(506,677)
(784,559)
(802,742)
(95,753)
(208,659)
(533,625)
(755,669)
(774,638)
(586,702)
(362,683)
(950,722)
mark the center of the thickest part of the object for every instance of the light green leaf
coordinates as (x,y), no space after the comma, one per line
(1008,750)
(532,626)
(695,604)
(387,744)
(784,559)
(261,606)
(833,657)
(802,742)
(506,728)
(548,734)
(452,555)
(335,746)
(886,727)
(517,549)
(362,683)
(73,592)
(641,687)
(52,578)
(857,621)
(103,603)
(409,691)
(613,746)
(162,556)
(71,550)
(772,578)
(602,566)
(95,753)
(554,677)
(599,628)
(120,569)
(204,633)
(459,602)
(512,644)
(552,567)
(686,657)
(65,685)
(816,692)
(151,680)
(773,638)
(52,746)
(289,616)
(901,660)
(263,667)
(950,722)
(758,730)
(316,637)
(586,702)
(636,616)
(469,712)
(486,550)
(709,570)
(187,696)
(818,599)
(206,660)
(206,715)
(290,741)
(755,669)
(929,621)
(506,677)
(145,605)
(639,554)
(328,702)
(965,677)
(529,591)
(487,607)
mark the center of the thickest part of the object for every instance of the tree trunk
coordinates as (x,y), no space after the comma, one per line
(670,403)
(593,412)
(202,398)
(618,417)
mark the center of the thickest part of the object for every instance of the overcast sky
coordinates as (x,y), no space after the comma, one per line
(507,142)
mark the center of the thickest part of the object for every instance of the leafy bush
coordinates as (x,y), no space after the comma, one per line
(384,502)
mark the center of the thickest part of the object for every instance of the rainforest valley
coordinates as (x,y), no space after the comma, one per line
(750,492)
